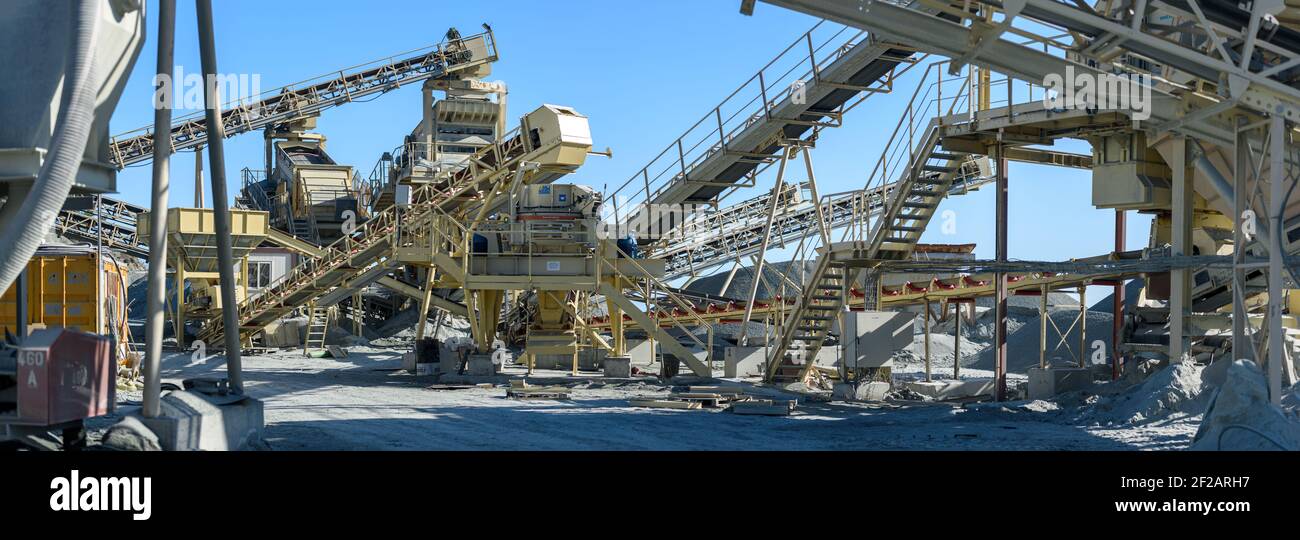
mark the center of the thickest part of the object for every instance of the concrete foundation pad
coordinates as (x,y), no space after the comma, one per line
(1047,383)
(872,391)
(481,365)
(952,389)
(452,378)
(193,421)
(618,366)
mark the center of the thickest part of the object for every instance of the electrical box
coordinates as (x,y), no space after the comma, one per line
(62,376)
(1127,174)
(869,338)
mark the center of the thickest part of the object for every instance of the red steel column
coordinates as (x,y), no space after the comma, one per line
(1000,297)
(1118,311)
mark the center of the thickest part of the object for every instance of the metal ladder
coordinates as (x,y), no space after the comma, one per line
(318,325)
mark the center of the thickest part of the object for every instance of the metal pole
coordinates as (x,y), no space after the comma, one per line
(1042,327)
(927,341)
(1000,296)
(1276,295)
(157,299)
(1083,325)
(20,305)
(956,344)
(220,204)
(762,250)
(198,175)
(1241,343)
(1181,238)
(1117,329)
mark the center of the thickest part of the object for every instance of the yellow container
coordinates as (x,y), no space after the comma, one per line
(63,290)
(192,235)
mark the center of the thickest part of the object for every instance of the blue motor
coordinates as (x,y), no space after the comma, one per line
(480,243)
(628,245)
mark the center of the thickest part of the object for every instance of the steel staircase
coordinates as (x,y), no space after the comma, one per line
(812,319)
(833,69)
(916,198)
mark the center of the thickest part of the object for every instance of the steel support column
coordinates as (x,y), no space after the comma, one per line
(220,198)
(1117,319)
(1277,134)
(956,343)
(1042,327)
(1000,295)
(928,377)
(1241,343)
(1180,291)
(1083,325)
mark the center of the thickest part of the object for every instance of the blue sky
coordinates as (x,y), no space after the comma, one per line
(643,72)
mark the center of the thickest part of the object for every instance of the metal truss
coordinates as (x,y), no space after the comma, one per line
(309,98)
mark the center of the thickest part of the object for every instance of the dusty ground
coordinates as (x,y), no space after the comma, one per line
(363,403)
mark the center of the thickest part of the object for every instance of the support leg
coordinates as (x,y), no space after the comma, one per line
(928,377)
(1000,296)
(1181,232)
(956,343)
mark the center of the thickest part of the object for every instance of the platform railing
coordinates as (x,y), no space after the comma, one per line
(750,103)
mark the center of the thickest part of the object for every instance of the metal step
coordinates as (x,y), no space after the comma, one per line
(901,228)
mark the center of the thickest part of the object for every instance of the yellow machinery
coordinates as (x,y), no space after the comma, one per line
(74,288)
(192,249)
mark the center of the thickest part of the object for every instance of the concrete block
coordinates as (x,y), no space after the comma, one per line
(426,369)
(481,365)
(618,366)
(952,389)
(1047,383)
(743,361)
(872,391)
(194,421)
(408,362)
(640,352)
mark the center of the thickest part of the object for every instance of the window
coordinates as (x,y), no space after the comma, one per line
(259,274)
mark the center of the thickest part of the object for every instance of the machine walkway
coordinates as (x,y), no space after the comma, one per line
(707,163)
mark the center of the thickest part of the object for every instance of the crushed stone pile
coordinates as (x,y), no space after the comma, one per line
(1181,389)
